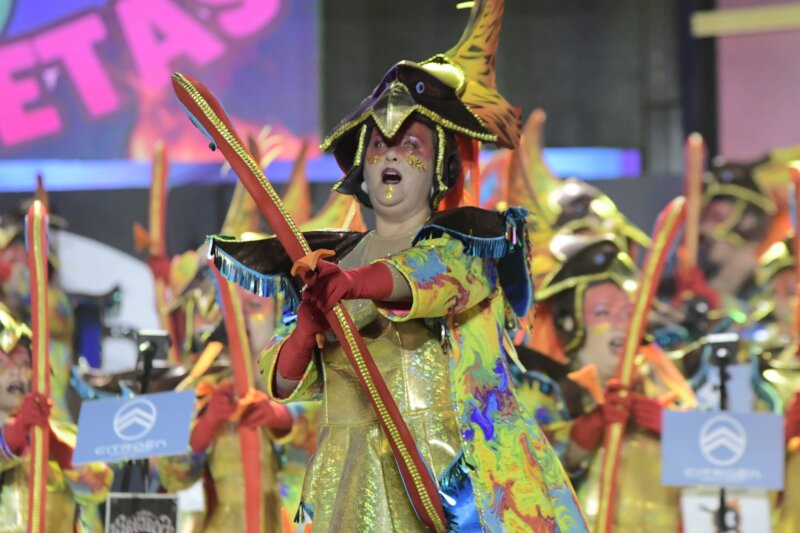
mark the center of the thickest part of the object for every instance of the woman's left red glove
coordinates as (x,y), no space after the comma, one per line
(268,414)
(60,451)
(792,419)
(332,284)
(217,412)
(34,411)
(6,268)
(647,413)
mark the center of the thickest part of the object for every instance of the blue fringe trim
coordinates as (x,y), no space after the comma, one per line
(510,250)
(264,285)
(485,247)
(304,511)
(455,487)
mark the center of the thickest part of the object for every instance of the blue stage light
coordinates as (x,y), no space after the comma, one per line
(76,175)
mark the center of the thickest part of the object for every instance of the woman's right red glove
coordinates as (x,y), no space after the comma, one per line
(34,411)
(219,409)
(589,428)
(333,284)
(297,350)
(6,268)
(792,420)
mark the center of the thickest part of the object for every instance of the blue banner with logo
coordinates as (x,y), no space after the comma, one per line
(150,425)
(722,449)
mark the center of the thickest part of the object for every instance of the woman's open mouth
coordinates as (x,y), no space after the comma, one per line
(391,176)
(615,345)
(16,388)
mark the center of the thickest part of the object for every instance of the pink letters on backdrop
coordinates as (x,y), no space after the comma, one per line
(22,115)
(159,32)
(73,45)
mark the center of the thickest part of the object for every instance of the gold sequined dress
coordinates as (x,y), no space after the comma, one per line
(354,461)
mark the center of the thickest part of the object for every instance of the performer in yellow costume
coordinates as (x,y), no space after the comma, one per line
(773,332)
(559,206)
(15,291)
(73,493)
(745,211)
(433,296)
(584,307)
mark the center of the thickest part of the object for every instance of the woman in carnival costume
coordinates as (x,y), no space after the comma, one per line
(433,296)
(583,313)
(773,328)
(73,493)
(567,206)
(15,291)
(774,338)
(745,211)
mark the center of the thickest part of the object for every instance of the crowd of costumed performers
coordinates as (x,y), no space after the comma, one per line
(502,365)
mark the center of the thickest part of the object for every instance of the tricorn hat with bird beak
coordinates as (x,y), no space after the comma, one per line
(453,93)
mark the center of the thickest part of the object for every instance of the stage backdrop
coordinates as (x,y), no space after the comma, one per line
(758,75)
(90,79)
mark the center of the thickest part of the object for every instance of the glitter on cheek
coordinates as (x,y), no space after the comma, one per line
(373,159)
(416,163)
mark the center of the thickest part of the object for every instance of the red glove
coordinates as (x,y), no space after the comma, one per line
(268,414)
(159,266)
(587,429)
(332,284)
(60,452)
(217,412)
(792,420)
(647,413)
(6,268)
(296,352)
(618,404)
(34,411)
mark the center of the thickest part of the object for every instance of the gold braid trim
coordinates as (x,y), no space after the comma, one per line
(441,187)
(40,352)
(424,111)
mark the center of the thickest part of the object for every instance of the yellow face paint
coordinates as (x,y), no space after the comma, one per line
(416,163)
(602,327)
(389,191)
(373,159)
